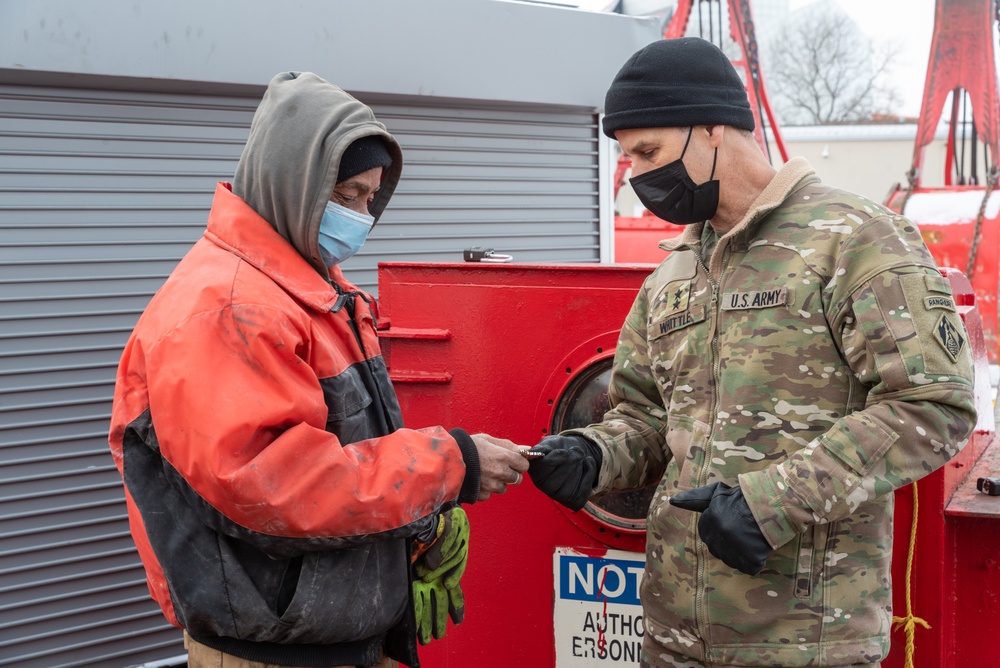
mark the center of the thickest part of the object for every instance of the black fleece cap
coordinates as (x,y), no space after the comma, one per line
(363,154)
(676,83)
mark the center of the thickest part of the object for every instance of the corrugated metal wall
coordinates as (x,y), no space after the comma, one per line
(101,193)
(525,183)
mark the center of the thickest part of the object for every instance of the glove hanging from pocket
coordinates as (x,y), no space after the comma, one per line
(430,607)
(448,555)
(438,570)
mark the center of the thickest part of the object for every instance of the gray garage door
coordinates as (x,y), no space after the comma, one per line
(101,193)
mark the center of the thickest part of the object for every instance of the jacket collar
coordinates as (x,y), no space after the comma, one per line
(236,227)
(789,178)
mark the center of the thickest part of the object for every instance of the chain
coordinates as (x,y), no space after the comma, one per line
(978,234)
(751,43)
(911,178)
(750,51)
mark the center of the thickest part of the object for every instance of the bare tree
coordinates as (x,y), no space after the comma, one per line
(822,70)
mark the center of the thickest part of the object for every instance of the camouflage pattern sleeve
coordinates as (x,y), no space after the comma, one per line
(631,433)
(894,320)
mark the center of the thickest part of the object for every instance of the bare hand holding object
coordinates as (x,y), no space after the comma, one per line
(500,464)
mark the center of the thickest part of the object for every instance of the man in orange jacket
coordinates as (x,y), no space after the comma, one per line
(273,492)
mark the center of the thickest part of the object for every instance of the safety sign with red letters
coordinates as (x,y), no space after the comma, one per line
(598,618)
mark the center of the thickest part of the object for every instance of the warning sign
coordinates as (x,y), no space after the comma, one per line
(598,617)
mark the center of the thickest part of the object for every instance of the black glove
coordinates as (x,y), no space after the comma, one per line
(568,471)
(727,526)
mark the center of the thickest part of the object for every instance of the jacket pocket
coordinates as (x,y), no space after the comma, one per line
(676,355)
(346,399)
(686,439)
(349,594)
(345,394)
(860,444)
(318,598)
(809,563)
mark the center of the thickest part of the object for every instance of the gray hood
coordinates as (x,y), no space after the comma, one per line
(289,164)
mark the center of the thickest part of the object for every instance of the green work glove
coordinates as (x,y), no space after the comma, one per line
(430,605)
(448,556)
(438,571)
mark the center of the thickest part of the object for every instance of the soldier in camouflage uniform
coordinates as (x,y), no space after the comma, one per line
(788,366)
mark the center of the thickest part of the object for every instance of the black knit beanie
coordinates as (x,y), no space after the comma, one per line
(677,83)
(363,154)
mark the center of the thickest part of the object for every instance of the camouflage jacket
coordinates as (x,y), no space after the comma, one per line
(818,361)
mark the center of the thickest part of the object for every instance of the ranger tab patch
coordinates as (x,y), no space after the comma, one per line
(950,338)
(738,301)
(938,301)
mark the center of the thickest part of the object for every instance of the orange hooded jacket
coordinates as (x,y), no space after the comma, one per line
(271,486)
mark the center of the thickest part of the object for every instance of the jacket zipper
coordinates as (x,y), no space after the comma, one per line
(347,299)
(700,614)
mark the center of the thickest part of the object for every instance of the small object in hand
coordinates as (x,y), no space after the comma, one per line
(989,486)
(528,453)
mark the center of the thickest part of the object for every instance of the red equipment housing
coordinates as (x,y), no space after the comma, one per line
(493,348)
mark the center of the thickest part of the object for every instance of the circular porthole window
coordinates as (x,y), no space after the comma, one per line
(585,401)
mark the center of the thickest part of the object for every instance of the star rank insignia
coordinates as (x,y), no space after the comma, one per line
(675,297)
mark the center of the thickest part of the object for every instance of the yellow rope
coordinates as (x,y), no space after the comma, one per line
(909,622)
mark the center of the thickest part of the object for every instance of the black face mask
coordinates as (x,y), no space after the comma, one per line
(670,193)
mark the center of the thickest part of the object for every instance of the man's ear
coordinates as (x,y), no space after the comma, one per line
(715,134)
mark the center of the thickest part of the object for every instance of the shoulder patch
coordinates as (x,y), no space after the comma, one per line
(937,283)
(950,337)
(939,301)
(675,297)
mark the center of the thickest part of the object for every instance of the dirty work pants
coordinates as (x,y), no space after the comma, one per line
(657,657)
(201,656)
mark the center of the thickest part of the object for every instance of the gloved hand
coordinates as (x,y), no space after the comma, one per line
(430,605)
(437,592)
(727,526)
(568,471)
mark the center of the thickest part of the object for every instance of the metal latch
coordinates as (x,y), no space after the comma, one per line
(989,486)
(482,254)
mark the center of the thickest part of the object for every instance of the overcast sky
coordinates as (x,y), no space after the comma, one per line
(907,22)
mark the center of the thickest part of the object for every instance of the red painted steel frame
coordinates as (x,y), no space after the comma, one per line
(961,57)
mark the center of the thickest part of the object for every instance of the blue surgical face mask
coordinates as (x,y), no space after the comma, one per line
(342,233)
